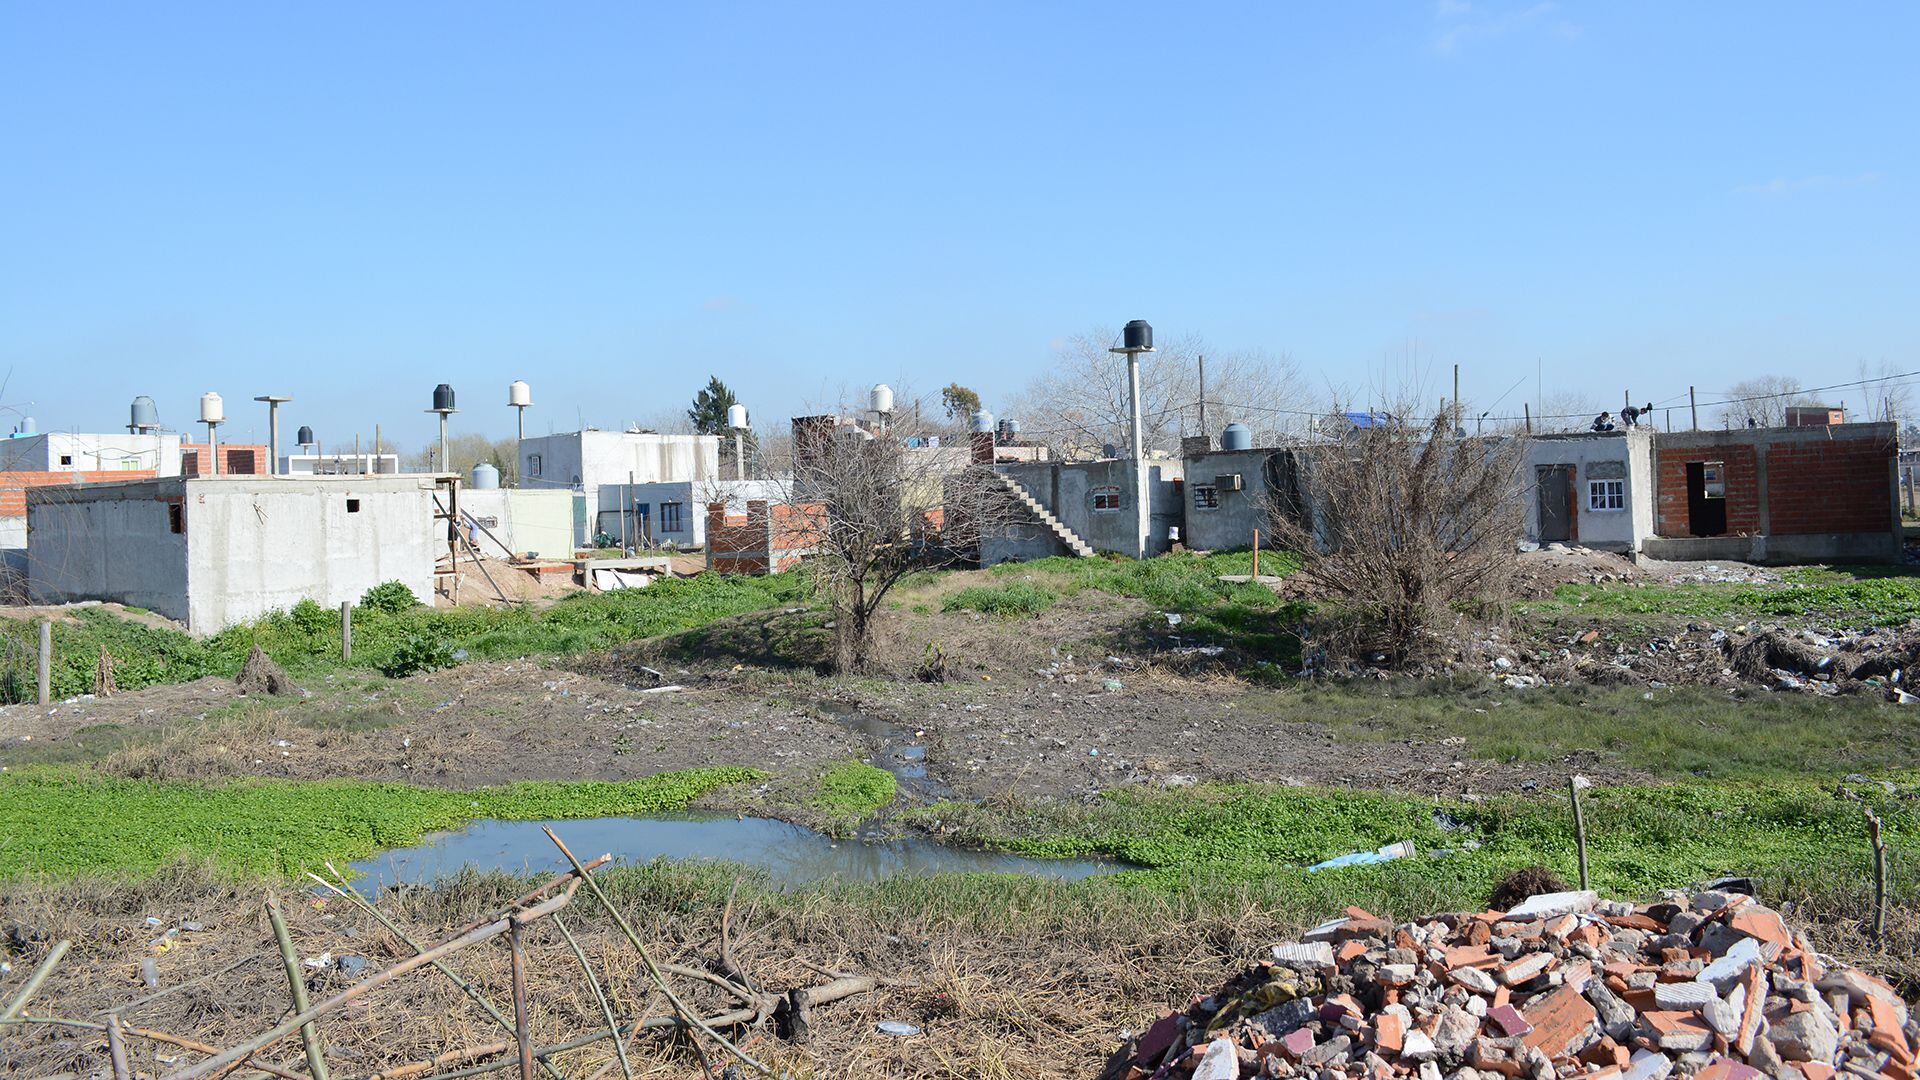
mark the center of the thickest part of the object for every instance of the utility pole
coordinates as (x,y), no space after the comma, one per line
(1204,429)
(1136,338)
(1456,397)
(1694,407)
(1526,413)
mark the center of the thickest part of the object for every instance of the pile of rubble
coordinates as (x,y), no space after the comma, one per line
(1712,985)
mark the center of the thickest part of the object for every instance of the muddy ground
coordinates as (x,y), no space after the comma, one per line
(1037,708)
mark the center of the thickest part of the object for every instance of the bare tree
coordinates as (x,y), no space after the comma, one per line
(884,504)
(1761,401)
(1887,398)
(1404,522)
(1079,404)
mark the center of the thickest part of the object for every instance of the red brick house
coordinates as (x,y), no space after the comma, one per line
(1783,495)
(236,459)
(768,538)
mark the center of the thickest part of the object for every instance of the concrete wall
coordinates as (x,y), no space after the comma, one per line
(109,542)
(1066,489)
(693,499)
(245,546)
(1611,455)
(1806,494)
(540,522)
(344,463)
(1230,524)
(588,461)
(62,451)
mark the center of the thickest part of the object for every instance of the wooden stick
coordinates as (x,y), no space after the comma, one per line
(297,986)
(159,1037)
(1879,878)
(606,1007)
(34,980)
(518,954)
(1579,826)
(473,992)
(1256,556)
(177,987)
(659,978)
(117,1048)
(221,1061)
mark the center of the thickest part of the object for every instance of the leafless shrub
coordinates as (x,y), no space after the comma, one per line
(887,504)
(1400,527)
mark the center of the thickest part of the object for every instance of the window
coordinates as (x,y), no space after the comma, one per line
(533,464)
(1606,495)
(1106,500)
(66,459)
(1206,497)
(1714,475)
(353,506)
(669,517)
(176,518)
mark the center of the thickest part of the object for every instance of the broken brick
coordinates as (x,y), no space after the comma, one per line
(1558,1020)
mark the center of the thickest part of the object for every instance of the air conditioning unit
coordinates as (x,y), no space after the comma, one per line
(1228,482)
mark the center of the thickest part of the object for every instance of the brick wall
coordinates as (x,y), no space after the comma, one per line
(1835,486)
(14,485)
(1741,475)
(765,539)
(236,459)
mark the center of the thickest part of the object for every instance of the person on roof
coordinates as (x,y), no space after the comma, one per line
(1603,422)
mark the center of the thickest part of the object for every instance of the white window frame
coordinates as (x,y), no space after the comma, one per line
(533,464)
(1606,496)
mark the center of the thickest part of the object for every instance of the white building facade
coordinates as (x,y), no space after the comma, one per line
(601,464)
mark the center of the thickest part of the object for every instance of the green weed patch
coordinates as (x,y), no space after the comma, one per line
(854,790)
(1012,599)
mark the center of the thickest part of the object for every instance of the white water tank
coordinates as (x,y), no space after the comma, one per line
(981,423)
(212,409)
(737,417)
(519,393)
(880,399)
(484,477)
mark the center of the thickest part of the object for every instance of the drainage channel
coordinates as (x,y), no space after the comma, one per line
(790,854)
(895,748)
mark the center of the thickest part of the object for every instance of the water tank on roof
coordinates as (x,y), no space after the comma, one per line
(485,477)
(443,398)
(1009,429)
(212,409)
(880,398)
(1236,437)
(1137,335)
(519,393)
(736,417)
(981,423)
(27,427)
(305,436)
(144,415)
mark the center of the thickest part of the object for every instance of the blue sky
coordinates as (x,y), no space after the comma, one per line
(351,203)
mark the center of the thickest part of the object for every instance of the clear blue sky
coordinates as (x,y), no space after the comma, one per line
(352,202)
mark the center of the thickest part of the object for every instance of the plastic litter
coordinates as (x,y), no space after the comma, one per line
(1398,850)
(897,1028)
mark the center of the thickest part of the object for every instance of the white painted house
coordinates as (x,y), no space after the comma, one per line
(600,464)
(66,451)
(212,551)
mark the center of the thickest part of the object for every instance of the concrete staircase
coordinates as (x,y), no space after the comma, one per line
(1065,535)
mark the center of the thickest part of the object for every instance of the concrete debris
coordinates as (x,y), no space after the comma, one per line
(1565,986)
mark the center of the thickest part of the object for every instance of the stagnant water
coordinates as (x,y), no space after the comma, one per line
(790,854)
(896,748)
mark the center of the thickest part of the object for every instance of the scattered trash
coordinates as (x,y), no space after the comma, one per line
(1399,850)
(350,965)
(1709,984)
(897,1028)
(1111,685)
(662,689)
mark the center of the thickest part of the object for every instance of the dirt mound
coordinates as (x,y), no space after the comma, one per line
(260,675)
(1538,573)
(1523,883)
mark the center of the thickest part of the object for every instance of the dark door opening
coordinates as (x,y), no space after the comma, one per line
(1706,499)
(1556,503)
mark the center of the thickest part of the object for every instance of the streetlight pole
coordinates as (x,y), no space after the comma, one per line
(1137,338)
(273,430)
(443,404)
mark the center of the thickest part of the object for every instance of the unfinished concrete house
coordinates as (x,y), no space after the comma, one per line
(1590,489)
(601,466)
(211,552)
(1083,507)
(1778,495)
(768,538)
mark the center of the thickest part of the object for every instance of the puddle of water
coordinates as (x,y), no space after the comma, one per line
(897,749)
(791,854)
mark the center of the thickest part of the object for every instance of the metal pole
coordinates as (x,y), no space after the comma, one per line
(1526,413)
(1457,414)
(626,505)
(1203,395)
(273,438)
(346,631)
(739,461)
(1694,406)
(44,675)
(213,449)
(445,464)
(1142,517)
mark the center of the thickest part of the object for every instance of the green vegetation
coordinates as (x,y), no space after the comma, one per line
(852,791)
(306,639)
(1676,732)
(61,823)
(1641,839)
(389,596)
(1012,599)
(1877,596)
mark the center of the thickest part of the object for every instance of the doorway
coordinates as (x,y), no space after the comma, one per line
(1706,498)
(1556,503)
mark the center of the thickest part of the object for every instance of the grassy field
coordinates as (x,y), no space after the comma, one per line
(1850,596)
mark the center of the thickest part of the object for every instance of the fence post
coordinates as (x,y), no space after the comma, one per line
(1579,825)
(346,631)
(45,671)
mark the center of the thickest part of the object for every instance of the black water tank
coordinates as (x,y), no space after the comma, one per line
(305,437)
(1137,335)
(443,397)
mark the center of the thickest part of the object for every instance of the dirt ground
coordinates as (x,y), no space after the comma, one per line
(1024,710)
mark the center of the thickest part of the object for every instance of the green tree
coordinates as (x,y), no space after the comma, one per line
(710,405)
(960,402)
